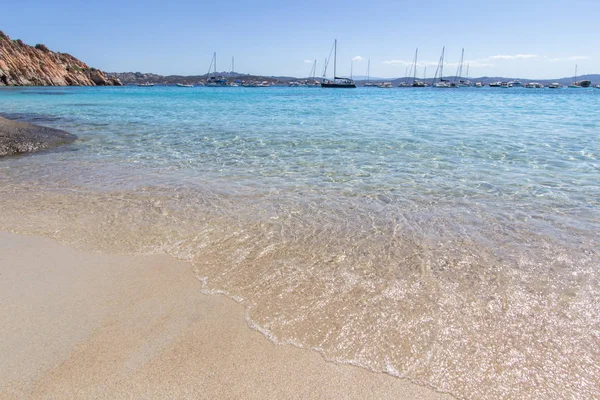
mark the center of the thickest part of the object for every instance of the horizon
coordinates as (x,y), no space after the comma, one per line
(501,39)
(358,78)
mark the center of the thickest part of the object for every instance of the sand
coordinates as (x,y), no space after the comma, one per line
(83,325)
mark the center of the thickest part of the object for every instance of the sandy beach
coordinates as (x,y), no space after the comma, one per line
(82,325)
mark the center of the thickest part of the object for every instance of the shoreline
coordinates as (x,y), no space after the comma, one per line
(79,324)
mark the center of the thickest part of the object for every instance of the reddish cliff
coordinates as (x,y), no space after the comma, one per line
(22,65)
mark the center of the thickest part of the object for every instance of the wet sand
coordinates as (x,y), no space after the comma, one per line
(81,325)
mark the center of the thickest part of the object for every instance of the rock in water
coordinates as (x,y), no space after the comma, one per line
(23,137)
(24,65)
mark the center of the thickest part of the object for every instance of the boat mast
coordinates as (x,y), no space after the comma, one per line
(575,72)
(442,64)
(210,67)
(460,67)
(415,71)
(215,64)
(327,60)
(314,70)
(369,71)
(440,68)
(462,63)
(334,58)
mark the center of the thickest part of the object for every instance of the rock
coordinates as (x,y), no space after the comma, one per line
(22,137)
(21,64)
(100,79)
(115,81)
(42,47)
(131,78)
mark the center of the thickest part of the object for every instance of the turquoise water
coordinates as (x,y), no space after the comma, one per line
(445,236)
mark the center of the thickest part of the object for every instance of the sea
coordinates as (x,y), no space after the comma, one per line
(446,236)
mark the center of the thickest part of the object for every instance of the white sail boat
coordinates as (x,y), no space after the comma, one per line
(416,82)
(574,84)
(579,84)
(214,80)
(443,84)
(368,82)
(337,82)
(458,79)
(312,76)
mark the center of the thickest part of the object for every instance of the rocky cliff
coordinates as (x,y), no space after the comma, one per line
(24,65)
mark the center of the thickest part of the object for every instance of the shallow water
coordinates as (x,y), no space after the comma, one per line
(445,236)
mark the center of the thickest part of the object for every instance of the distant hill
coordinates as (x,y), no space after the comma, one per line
(360,78)
(133,78)
(24,65)
(595,78)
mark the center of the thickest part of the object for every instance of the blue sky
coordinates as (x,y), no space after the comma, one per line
(526,38)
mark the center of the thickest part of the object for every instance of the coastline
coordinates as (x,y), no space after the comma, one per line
(79,324)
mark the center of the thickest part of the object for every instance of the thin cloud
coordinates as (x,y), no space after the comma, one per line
(394,62)
(402,62)
(433,64)
(308,61)
(357,58)
(477,64)
(513,57)
(481,63)
(572,58)
(472,64)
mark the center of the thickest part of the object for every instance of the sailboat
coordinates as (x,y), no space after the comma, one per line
(236,82)
(312,76)
(406,82)
(337,82)
(458,81)
(579,84)
(214,80)
(368,82)
(574,84)
(415,82)
(441,83)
